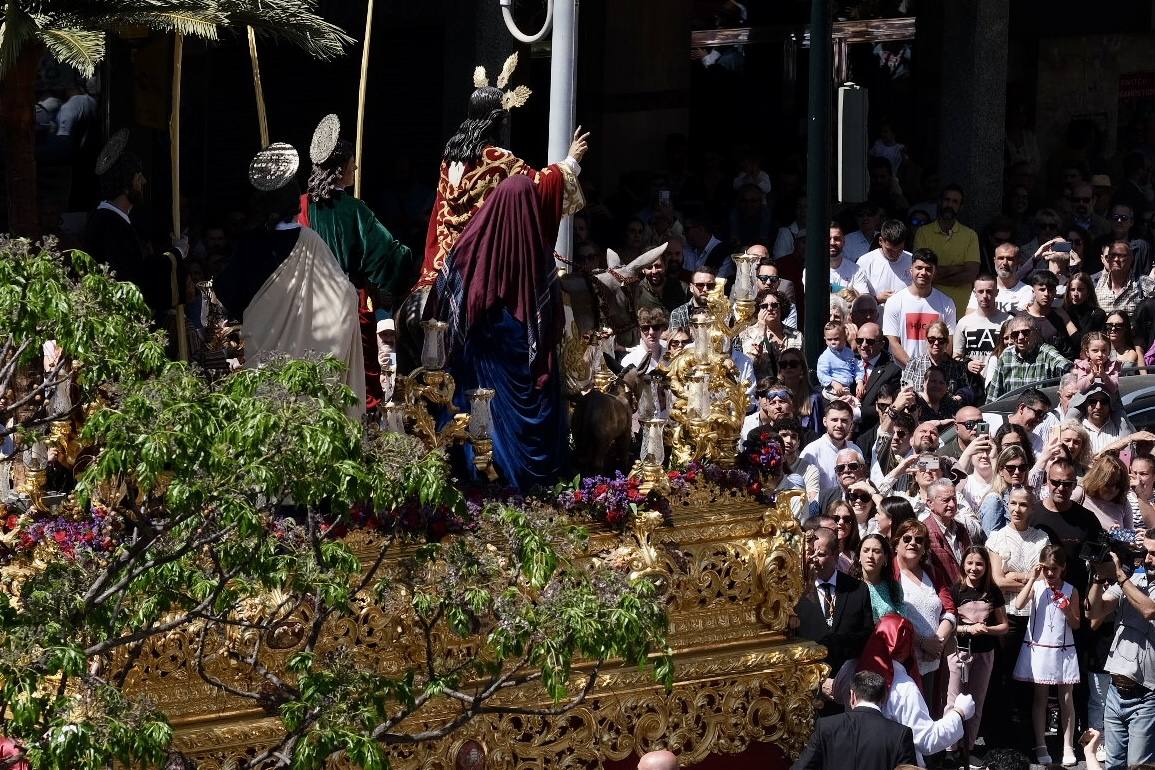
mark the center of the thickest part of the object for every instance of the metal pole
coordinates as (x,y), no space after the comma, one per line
(561,98)
(817,179)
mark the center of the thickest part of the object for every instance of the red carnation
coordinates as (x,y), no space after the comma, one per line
(691,475)
(601,489)
(673,475)
(60,536)
(578,496)
(13,521)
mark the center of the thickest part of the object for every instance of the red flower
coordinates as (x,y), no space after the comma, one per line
(755,488)
(60,536)
(13,521)
(691,475)
(601,489)
(614,517)
(673,475)
(578,496)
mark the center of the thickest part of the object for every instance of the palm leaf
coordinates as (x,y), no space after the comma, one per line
(17,29)
(78,48)
(294,21)
(203,24)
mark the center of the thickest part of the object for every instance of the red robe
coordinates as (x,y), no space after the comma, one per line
(456,203)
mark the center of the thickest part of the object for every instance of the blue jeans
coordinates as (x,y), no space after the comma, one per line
(1130,728)
(1098,683)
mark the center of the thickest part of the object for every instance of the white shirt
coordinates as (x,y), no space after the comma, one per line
(635,355)
(881,274)
(78,108)
(784,243)
(996,421)
(840,277)
(1020,552)
(907,317)
(818,583)
(975,335)
(856,245)
(905,705)
(1010,300)
(821,453)
(1101,437)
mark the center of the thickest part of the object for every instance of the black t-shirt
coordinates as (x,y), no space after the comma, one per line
(1069,529)
(976,606)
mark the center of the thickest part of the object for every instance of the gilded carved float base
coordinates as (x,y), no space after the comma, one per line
(732,572)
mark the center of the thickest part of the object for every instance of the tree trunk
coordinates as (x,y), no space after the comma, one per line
(18,132)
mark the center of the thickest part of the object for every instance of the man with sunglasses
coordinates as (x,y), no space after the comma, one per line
(1117,289)
(1026,362)
(878,369)
(701,282)
(966,422)
(652,323)
(1103,427)
(1032,410)
(1067,523)
(1122,221)
(769,277)
(849,469)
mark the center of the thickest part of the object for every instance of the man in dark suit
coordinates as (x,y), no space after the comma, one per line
(879,369)
(835,608)
(862,737)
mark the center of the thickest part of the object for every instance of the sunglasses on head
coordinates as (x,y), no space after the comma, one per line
(772,394)
(846,468)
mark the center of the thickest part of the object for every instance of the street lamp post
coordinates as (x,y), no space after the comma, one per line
(561,18)
(817,174)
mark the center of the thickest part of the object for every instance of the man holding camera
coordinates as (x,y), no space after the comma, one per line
(1129,717)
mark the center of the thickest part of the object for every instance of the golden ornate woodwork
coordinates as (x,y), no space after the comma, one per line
(731,570)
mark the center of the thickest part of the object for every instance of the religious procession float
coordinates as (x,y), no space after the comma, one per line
(228,571)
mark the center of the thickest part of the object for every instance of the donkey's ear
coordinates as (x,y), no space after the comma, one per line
(613,261)
(645,260)
(612,364)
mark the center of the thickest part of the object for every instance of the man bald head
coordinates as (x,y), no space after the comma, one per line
(658,760)
(758,250)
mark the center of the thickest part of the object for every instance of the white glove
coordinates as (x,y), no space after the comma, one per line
(966,704)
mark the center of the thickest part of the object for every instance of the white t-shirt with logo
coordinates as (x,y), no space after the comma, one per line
(975,336)
(883,275)
(1010,300)
(907,317)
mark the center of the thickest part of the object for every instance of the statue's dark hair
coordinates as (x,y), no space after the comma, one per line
(326,177)
(481,127)
(118,179)
(280,205)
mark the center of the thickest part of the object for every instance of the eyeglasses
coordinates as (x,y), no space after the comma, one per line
(789,364)
(768,278)
(773,394)
(1019,333)
(1118,255)
(1014,467)
(969,424)
(867,340)
(844,519)
(847,467)
(1114,326)
(912,539)
(899,433)
(703,285)
(653,327)
(1121,218)
(1038,413)
(676,343)
(1098,402)
(936,340)
(1062,483)
(860,497)
(769,306)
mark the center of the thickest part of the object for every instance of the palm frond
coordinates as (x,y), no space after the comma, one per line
(16,30)
(294,21)
(78,48)
(190,23)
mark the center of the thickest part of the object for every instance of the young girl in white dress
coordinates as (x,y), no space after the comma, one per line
(1048,653)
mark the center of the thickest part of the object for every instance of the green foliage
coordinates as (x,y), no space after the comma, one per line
(227,500)
(73,30)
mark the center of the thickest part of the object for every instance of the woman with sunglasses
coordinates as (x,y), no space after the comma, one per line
(1011,468)
(863,499)
(875,568)
(1082,307)
(765,339)
(792,370)
(676,341)
(846,527)
(928,606)
(1123,347)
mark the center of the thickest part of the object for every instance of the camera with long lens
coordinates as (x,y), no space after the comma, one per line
(1121,542)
